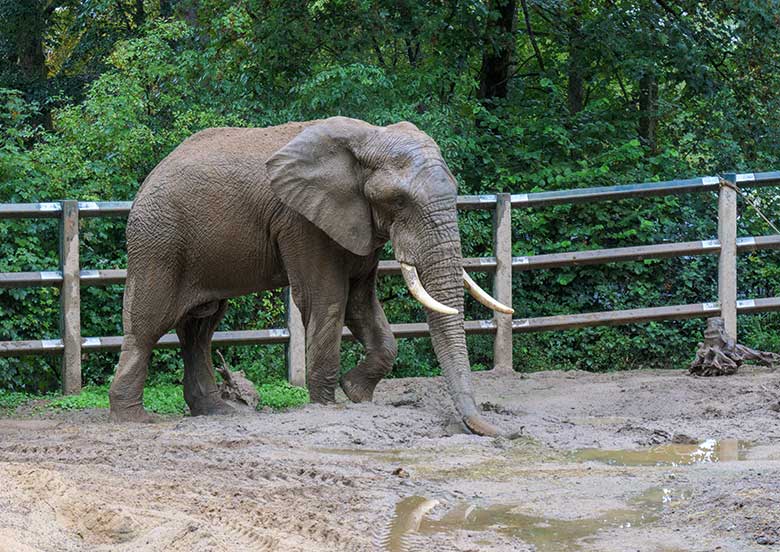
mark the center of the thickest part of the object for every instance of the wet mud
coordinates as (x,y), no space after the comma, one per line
(644,460)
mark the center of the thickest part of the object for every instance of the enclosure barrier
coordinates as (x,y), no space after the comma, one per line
(69,278)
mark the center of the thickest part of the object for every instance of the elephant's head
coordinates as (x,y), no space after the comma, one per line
(363,185)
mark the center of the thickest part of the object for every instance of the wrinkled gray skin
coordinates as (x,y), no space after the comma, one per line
(238,210)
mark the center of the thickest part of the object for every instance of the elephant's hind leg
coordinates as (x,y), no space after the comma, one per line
(127,388)
(366,319)
(146,318)
(195,332)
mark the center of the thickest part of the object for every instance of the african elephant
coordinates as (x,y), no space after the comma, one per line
(310,205)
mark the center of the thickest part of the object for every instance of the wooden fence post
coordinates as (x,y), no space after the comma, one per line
(502,283)
(727,263)
(296,347)
(70,298)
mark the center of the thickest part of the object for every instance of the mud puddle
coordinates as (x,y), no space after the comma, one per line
(673,454)
(545,533)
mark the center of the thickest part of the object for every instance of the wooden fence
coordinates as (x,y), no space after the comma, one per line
(69,278)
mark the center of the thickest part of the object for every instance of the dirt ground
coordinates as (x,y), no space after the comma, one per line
(642,460)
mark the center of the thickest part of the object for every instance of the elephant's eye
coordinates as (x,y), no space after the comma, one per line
(399,202)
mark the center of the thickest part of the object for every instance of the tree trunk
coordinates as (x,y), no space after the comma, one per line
(648,109)
(166,8)
(718,355)
(30,57)
(139,16)
(29,30)
(499,51)
(576,84)
(191,13)
(29,51)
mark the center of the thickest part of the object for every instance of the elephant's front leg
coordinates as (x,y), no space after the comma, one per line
(322,302)
(367,321)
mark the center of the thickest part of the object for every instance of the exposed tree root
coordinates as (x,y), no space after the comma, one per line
(719,355)
(236,387)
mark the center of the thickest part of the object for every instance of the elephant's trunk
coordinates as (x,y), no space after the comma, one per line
(441,271)
(444,281)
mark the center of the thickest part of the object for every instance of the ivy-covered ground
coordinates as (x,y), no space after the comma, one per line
(160,398)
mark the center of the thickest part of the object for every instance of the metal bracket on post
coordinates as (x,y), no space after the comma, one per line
(727,263)
(70,298)
(296,347)
(502,284)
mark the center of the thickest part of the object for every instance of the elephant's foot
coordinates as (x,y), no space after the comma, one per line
(358,389)
(210,406)
(133,413)
(322,394)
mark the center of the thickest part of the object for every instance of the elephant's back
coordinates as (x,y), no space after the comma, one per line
(213,144)
(214,168)
(214,151)
(209,204)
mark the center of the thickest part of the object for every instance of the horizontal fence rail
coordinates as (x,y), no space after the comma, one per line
(604,193)
(727,246)
(420,329)
(471,264)
(465,202)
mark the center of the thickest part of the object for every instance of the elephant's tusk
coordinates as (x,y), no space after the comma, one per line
(482,296)
(417,290)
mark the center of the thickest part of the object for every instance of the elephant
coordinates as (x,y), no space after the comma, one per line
(233,211)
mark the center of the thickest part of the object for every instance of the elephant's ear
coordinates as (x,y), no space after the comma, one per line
(319,175)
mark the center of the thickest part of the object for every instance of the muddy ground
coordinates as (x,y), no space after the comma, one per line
(642,460)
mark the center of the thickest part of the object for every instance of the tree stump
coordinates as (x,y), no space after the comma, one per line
(720,356)
(236,387)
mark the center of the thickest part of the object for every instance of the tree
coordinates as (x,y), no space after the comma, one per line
(577,59)
(499,49)
(648,109)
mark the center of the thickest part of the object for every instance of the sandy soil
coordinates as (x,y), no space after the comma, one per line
(695,466)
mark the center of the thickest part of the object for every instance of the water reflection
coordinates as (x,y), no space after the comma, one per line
(709,450)
(547,534)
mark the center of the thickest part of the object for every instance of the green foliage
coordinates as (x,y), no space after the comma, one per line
(90,397)
(162,399)
(280,394)
(125,87)
(10,400)
(159,398)
(760,332)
